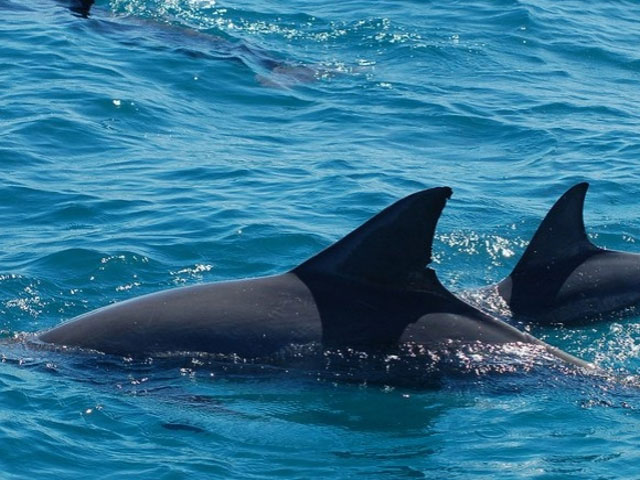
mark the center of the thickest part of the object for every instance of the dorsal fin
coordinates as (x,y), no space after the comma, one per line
(392,248)
(81,7)
(561,234)
(559,245)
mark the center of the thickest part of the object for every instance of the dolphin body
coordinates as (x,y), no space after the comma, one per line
(371,290)
(562,277)
(271,71)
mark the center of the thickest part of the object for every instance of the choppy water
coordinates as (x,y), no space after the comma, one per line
(169,142)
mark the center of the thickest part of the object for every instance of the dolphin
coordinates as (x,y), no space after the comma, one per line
(81,8)
(371,290)
(564,278)
(270,70)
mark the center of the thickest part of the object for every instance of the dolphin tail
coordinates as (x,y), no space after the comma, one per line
(558,246)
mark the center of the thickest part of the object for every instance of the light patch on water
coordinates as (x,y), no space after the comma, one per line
(206,15)
(499,247)
(363,62)
(617,345)
(199,268)
(123,259)
(30,301)
(202,3)
(500,250)
(189,273)
(466,242)
(128,286)
(9,276)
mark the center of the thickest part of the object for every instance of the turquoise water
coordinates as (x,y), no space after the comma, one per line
(161,143)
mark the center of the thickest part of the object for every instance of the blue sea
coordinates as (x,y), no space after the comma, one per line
(162,143)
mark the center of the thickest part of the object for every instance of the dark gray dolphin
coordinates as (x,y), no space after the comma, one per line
(81,7)
(370,290)
(563,277)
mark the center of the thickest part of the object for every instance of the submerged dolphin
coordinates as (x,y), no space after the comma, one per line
(370,290)
(270,70)
(564,278)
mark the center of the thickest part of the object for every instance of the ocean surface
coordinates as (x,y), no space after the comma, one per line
(161,143)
